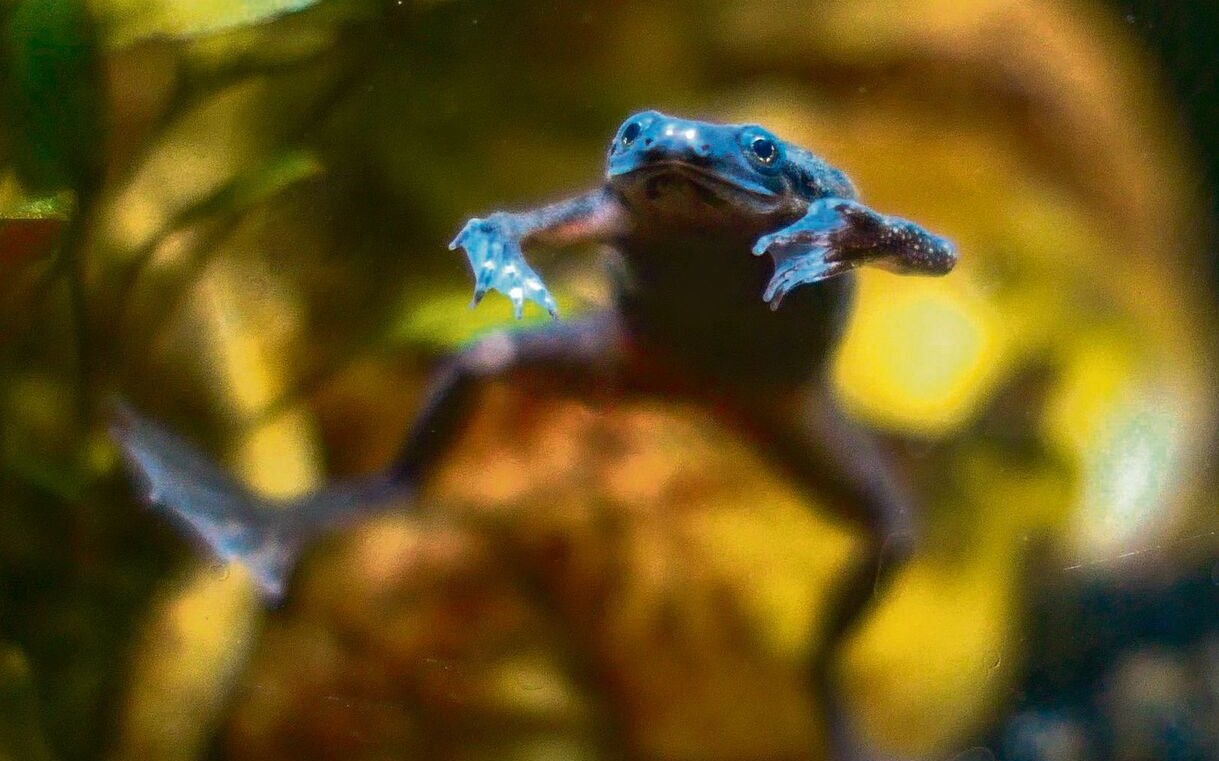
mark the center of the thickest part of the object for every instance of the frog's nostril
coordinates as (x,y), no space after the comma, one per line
(647,141)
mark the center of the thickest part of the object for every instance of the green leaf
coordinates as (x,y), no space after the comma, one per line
(443,318)
(128,21)
(223,209)
(246,190)
(277,174)
(290,40)
(50,93)
(29,232)
(58,206)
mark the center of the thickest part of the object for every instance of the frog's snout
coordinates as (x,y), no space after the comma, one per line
(682,141)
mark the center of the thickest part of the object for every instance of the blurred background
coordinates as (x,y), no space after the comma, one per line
(233,213)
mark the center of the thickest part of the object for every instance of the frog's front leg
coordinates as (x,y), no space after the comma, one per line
(494,245)
(837,235)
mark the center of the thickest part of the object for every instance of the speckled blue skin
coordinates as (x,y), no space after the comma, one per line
(700,314)
(689,205)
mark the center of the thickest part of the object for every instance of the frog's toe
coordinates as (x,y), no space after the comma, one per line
(473,229)
(486,261)
(520,284)
(536,292)
(804,270)
(783,243)
(763,244)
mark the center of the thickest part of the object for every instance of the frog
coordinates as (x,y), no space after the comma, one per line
(735,257)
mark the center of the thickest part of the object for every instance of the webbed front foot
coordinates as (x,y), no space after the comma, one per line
(494,251)
(837,235)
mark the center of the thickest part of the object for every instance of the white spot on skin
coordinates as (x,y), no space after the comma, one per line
(691,134)
(510,269)
(669,131)
(516,294)
(489,265)
(534,284)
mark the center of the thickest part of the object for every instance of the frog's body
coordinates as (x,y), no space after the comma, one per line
(689,207)
(697,204)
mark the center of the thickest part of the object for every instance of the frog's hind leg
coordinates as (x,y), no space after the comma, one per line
(267,535)
(839,461)
(231,521)
(590,346)
(236,525)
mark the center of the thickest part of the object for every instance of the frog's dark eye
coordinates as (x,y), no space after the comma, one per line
(631,133)
(764,149)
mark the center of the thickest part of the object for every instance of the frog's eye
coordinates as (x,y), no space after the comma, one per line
(764,150)
(631,133)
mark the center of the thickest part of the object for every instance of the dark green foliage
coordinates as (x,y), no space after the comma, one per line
(51,81)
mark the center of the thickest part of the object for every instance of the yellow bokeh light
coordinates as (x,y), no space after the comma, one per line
(919,354)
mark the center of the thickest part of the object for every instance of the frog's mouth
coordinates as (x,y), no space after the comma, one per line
(659,181)
(660,184)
